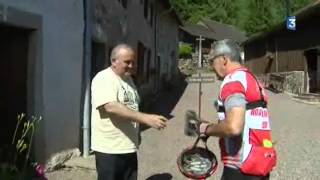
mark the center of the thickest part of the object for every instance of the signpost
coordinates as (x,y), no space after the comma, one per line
(200,39)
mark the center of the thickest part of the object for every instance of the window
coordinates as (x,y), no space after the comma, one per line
(108,57)
(148,12)
(146,8)
(123,3)
(151,15)
(140,68)
(148,64)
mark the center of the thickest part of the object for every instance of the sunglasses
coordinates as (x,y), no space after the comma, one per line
(211,60)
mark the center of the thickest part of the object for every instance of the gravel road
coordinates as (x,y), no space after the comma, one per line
(295,129)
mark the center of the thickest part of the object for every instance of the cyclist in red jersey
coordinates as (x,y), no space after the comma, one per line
(244,125)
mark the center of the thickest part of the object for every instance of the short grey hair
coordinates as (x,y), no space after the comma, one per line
(117,48)
(226,47)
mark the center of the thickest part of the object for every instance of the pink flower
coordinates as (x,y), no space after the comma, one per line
(39,170)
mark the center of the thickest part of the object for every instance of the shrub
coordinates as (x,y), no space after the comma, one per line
(18,164)
(185,51)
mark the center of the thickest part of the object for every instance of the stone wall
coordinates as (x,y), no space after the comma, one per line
(290,82)
(167,42)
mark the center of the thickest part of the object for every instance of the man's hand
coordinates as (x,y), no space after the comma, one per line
(122,112)
(203,125)
(194,126)
(155,121)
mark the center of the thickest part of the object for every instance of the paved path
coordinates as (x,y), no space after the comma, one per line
(295,128)
(159,150)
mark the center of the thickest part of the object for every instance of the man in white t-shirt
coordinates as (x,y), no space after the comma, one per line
(115,117)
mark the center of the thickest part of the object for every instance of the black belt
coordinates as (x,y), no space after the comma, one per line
(255,104)
(251,105)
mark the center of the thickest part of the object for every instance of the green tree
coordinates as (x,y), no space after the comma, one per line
(251,16)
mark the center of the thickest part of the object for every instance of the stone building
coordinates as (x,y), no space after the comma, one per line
(50,50)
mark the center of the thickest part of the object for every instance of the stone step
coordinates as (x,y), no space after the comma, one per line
(308,97)
(87,163)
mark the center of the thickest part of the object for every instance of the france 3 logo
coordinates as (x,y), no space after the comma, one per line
(291,23)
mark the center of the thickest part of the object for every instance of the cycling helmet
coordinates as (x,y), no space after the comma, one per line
(197,162)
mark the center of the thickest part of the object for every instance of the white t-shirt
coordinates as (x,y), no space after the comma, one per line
(112,135)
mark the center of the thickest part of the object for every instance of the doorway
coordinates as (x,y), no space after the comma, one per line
(98,58)
(14,44)
(312,70)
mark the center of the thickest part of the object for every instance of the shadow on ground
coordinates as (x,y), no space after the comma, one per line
(166,101)
(163,176)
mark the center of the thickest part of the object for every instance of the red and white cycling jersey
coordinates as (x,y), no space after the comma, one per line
(257,132)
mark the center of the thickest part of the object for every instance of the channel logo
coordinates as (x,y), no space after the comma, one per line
(291,23)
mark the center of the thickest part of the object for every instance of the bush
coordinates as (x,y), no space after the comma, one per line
(15,158)
(185,51)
